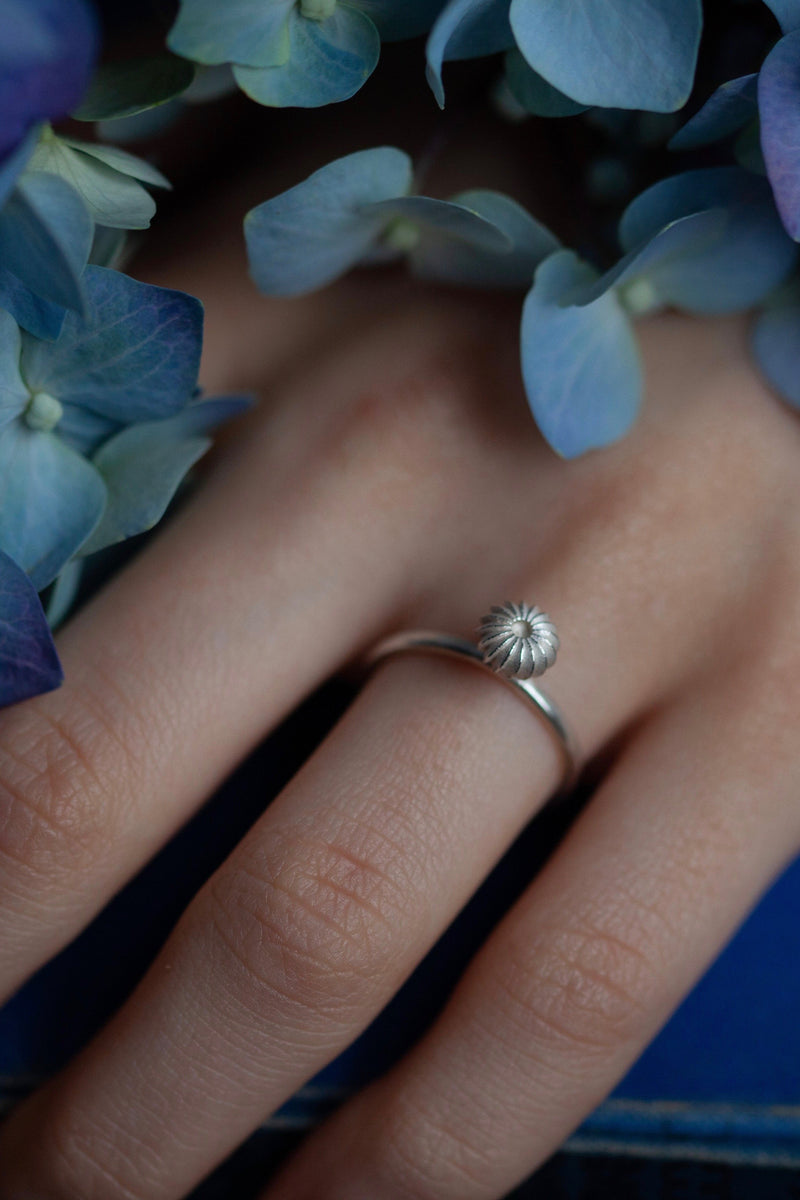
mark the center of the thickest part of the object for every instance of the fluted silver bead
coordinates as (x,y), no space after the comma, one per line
(518,641)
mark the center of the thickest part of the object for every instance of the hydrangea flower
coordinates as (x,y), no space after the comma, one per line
(98,427)
(771,97)
(706,241)
(297,52)
(360,209)
(614,54)
(54,191)
(47,52)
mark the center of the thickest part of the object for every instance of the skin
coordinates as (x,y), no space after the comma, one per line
(393,477)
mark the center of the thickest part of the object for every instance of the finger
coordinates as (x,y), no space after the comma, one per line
(295,551)
(339,890)
(690,827)
(213,1050)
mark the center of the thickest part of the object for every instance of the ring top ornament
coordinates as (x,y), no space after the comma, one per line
(518,641)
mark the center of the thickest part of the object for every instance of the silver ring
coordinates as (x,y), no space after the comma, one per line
(517,643)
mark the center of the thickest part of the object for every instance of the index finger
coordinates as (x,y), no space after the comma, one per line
(184,661)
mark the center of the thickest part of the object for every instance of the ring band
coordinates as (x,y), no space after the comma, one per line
(511,651)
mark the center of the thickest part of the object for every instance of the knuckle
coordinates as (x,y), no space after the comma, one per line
(421,417)
(55,779)
(577,989)
(315,920)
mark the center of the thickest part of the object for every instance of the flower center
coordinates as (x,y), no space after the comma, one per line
(639,297)
(401,235)
(43,412)
(521,629)
(317,10)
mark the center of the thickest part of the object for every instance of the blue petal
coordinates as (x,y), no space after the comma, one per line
(251,32)
(614,54)
(729,108)
(398,19)
(64,592)
(328,61)
(85,430)
(581,366)
(40,317)
(779,106)
(680,195)
(48,51)
(787,12)
(457,260)
(143,465)
(45,238)
(448,218)
(50,501)
(675,249)
(534,93)
(28,661)
(466,29)
(114,199)
(748,257)
(14,164)
(203,416)
(134,357)
(776,344)
(314,232)
(13,394)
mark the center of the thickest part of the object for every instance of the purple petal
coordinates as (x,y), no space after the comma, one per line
(779,107)
(28,661)
(47,55)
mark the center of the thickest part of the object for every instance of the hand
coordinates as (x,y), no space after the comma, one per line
(393,477)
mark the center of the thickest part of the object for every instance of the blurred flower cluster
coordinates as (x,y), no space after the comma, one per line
(100,415)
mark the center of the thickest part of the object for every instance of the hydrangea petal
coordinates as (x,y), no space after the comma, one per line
(113,199)
(450,219)
(456,260)
(135,357)
(398,19)
(729,108)
(13,393)
(14,164)
(614,54)
(787,12)
(689,192)
(144,464)
(581,365)
(50,501)
(121,161)
(307,236)
(28,660)
(681,243)
(534,93)
(40,317)
(251,32)
(779,106)
(776,345)
(44,73)
(466,29)
(83,429)
(122,89)
(45,238)
(328,62)
(720,260)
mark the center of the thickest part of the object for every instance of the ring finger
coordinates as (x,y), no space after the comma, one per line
(334,896)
